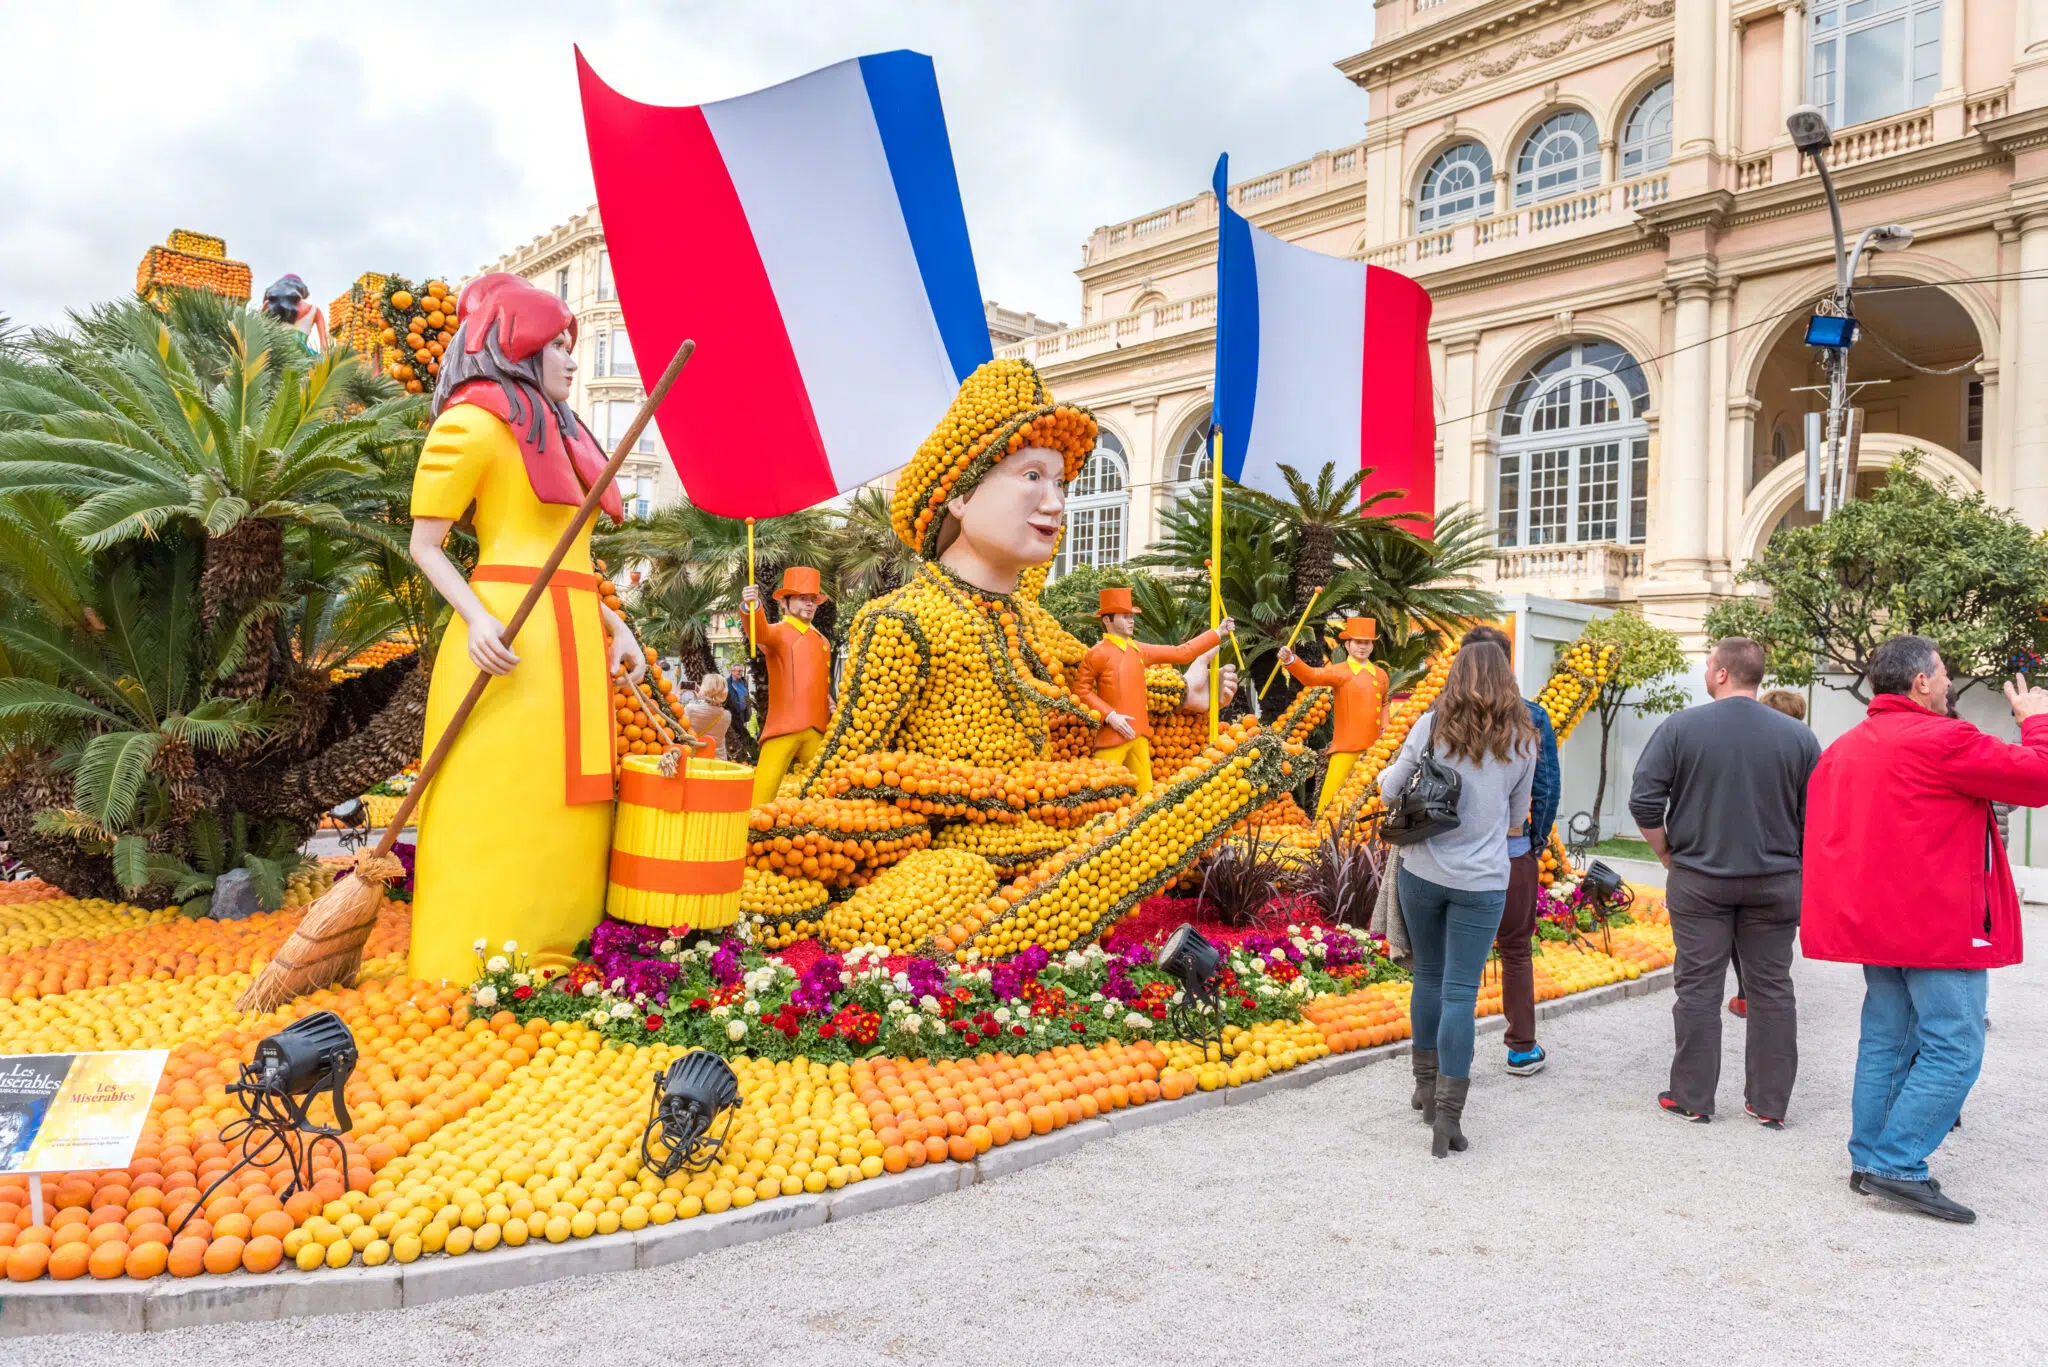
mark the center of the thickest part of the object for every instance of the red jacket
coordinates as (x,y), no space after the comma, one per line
(1903,864)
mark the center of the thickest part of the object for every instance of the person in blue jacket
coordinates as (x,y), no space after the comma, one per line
(1518,919)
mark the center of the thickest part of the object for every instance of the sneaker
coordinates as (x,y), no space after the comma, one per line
(1768,1122)
(1739,1006)
(1664,1100)
(1524,1062)
(1856,1182)
(1923,1196)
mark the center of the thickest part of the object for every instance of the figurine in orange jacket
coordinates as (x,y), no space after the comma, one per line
(799,677)
(1112,681)
(1361,699)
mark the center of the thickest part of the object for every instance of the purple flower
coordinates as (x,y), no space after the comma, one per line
(726,968)
(1007,980)
(820,982)
(927,979)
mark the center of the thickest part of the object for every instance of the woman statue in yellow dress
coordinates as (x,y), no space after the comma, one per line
(515,829)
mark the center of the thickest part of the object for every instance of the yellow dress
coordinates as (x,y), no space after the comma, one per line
(515,829)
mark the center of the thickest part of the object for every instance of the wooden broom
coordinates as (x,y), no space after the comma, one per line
(327,946)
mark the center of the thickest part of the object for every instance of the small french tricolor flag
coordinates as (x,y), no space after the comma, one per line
(1320,360)
(810,238)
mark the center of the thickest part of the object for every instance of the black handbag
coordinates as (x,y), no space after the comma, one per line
(1428,805)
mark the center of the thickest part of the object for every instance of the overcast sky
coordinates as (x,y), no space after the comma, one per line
(427,139)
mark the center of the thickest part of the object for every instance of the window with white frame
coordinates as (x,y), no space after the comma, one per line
(562,284)
(1561,156)
(643,495)
(618,416)
(604,275)
(1191,457)
(1574,459)
(622,354)
(1458,185)
(1870,58)
(1646,133)
(1098,504)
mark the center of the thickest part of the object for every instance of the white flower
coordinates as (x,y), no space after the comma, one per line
(985,974)
(752,1008)
(897,1006)
(487,996)
(736,1030)
(845,978)
(590,989)
(522,980)
(1095,996)
(719,1013)
(481,944)
(929,1002)
(1074,959)
(622,1010)
(1137,1020)
(668,946)
(902,981)
(1108,1010)
(598,1017)
(511,946)
(1002,1014)
(496,964)
(1294,930)
(1278,954)
(910,1024)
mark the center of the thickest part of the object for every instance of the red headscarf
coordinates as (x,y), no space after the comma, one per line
(526,319)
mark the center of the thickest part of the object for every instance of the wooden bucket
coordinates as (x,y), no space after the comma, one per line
(679,845)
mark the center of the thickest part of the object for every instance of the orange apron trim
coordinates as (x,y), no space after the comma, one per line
(579,787)
(688,878)
(680,794)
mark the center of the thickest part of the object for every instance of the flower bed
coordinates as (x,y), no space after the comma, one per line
(513,1114)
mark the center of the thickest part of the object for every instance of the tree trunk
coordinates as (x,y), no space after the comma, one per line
(55,859)
(1600,787)
(244,566)
(351,766)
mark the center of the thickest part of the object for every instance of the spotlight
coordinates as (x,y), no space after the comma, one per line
(687,1099)
(1607,895)
(1809,129)
(1186,955)
(1581,834)
(277,1087)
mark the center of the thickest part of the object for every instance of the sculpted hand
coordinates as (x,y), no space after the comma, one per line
(2026,700)
(1287,657)
(487,648)
(750,598)
(1227,678)
(1121,724)
(1226,628)
(625,651)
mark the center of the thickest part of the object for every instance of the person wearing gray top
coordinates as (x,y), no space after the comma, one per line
(1720,795)
(1453,886)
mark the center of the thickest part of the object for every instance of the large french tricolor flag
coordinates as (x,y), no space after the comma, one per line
(810,238)
(1320,360)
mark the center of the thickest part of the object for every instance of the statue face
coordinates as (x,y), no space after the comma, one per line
(1119,623)
(557,367)
(1011,520)
(1359,650)
(802,606)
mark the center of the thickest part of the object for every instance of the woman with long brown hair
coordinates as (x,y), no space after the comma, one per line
(1454,885)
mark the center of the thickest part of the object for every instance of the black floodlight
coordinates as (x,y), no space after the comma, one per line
(1809,129)
(687,1100)
(1606,894)
(1830,331)
(353,816)
(1189,957)
(277,1087)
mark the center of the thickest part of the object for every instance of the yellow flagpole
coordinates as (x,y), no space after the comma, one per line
(1215,577)
(753,646)
(1299,622)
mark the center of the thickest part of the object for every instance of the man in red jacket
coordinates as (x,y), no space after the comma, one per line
(1913,780)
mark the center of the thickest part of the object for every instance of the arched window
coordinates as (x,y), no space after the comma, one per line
(1574,460)
(1098,502)
(1191,457)
(1646,134)
(1868,60)
(1457,185)
(1561,156)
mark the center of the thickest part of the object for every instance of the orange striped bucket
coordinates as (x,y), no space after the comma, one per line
(679,845)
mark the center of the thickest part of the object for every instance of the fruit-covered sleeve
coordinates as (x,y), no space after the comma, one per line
(887,664)
(453,460)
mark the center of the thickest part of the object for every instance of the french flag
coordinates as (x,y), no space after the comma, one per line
(1320,360)
(810,238)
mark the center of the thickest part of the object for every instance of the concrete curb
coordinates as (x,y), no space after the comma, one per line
(127,1307)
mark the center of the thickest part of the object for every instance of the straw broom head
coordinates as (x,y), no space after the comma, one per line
(327,947)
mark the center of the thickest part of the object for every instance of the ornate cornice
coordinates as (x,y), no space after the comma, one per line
(1426,46)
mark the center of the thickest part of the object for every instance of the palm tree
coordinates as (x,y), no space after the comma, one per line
(672,616)
(864,558)
(1321,517)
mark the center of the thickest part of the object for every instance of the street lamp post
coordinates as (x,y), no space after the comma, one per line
(1834,331)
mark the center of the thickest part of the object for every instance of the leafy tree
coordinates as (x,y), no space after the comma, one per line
(1915,557)
(1642,676)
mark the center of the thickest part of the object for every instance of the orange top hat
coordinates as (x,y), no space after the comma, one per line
(801,579)
(1114,600)
(1359,629)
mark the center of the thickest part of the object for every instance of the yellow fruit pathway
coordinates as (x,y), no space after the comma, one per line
(473,1130)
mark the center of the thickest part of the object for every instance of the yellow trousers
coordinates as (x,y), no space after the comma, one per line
(1333,777)
(779,756)
(1134,755)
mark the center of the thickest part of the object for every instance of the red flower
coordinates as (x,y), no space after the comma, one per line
(653,1024)
(1080,1027)
(521,993)
(1251,1003)
(970,1038)
(699,1004)
(961,994)
(1016,1029)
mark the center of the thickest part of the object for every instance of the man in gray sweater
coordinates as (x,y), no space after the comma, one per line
(1720,795)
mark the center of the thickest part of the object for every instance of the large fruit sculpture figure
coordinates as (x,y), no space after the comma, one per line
(948,709)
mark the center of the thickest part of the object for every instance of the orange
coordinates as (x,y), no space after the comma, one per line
(26,1262)
(147,1260)
(223,1254)
(262,1253)
(187,1257)
(274,1223)
(108,1261)
(232,1226)
(960,1148)
(68,1261)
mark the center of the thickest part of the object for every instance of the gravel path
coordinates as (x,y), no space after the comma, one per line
(1312,1227)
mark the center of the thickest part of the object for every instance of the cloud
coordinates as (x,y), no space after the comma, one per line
(329,141)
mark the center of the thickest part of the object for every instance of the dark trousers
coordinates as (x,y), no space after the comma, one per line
(1517,970)
(1710,917)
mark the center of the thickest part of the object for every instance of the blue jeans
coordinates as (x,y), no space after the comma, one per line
(1452,932)
(1921,1051)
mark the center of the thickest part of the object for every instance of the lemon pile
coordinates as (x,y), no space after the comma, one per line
(912,901)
